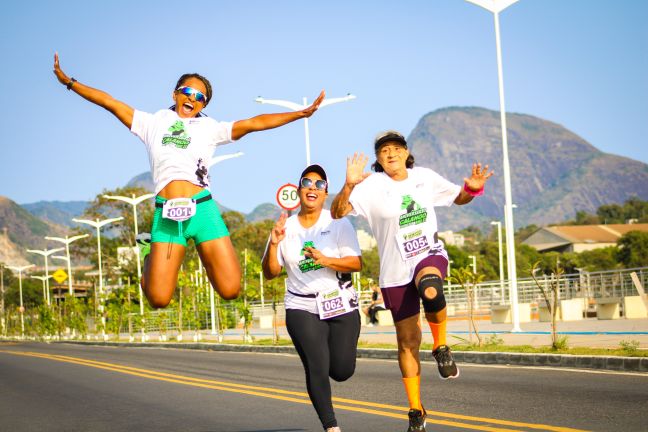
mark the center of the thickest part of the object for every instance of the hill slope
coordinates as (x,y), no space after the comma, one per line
(554,172)
(21,230)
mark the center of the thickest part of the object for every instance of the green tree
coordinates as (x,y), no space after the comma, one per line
(371,264)
(633,249)
(598,259)
(611,214)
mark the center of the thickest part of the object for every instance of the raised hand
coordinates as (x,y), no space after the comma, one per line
(60,75)
(355,169)
(478,178)
(317,256)
(315,105)
(278,232)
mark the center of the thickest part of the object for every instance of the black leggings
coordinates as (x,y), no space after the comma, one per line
(335,359)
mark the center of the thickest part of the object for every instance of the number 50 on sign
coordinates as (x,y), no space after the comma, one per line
(287,197)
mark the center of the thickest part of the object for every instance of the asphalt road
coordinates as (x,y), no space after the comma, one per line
(61,387)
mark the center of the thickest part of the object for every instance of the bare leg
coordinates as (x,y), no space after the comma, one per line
(223,269)
(408,336)
(160,275)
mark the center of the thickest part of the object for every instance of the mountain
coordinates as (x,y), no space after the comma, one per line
(554,172)
(20,230)
(264,211)
(144,180)
(58,212)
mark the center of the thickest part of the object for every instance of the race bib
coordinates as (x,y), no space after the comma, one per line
(412,242)
(179,209)
(333,303)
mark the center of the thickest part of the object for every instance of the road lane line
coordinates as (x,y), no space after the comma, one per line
(259,391)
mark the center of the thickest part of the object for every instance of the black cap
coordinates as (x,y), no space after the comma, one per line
(316,169)
(389,136)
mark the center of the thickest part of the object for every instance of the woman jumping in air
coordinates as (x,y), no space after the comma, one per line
(180,142)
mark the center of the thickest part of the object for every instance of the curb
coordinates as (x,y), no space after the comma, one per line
(611,363)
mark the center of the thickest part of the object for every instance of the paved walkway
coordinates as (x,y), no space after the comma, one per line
(589,332)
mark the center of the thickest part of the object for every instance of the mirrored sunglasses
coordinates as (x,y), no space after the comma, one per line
(188,91)
(306,182)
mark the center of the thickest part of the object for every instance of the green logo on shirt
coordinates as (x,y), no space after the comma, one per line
(414,213)
(178,137)
(307,264)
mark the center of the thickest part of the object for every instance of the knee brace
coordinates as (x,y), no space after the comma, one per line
(438,302)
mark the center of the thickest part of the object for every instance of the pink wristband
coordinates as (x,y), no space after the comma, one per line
(474,193)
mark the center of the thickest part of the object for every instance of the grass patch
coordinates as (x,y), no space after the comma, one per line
(527,349)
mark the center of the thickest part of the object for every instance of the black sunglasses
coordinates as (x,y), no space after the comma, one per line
(306,182)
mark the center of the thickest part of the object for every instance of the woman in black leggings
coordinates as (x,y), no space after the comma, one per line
(322,317)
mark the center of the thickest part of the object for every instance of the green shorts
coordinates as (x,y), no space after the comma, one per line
(207,224)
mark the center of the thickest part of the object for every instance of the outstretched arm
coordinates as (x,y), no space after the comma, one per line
(355,174)
(271,121)
(119,109)
(475,184)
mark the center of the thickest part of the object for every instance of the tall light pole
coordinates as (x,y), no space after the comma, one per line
(218,159)
(46,253)
(474,263)
(496,6)
(134,201)
(67,240)
(501,257)
(22,308)
(98,225)
(2,303)
(45,289)
(297,107)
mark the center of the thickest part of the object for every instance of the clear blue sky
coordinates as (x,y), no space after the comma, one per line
(580,63)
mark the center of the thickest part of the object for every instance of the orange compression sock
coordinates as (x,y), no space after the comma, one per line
(413,390)
(438,333)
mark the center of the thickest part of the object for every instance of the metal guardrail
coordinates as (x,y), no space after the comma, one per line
(586,285)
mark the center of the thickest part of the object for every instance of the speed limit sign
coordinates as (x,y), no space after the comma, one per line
(287,197)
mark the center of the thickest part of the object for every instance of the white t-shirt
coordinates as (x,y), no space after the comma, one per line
(180,148)
(334,238)
(401,216)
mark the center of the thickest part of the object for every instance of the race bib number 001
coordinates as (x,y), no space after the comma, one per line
(412,243)
(179,209)
(332,303)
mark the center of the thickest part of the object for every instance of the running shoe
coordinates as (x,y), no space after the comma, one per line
(143,241)
(445,362)
(334,429)
(416,420)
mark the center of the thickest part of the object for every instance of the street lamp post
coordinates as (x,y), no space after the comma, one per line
(45,289)
(67,240)
(297,107)
(22,308)
(496,6)
(2,302)
(474,263)
(97,224)
(46,253)
(134,201)
(501,258)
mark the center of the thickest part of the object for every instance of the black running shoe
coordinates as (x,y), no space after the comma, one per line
(445,362)
(416,420)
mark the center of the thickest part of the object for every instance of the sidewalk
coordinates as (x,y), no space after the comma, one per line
(590,332)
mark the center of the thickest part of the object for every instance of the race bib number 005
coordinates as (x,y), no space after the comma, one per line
(179,209)
(412,243)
